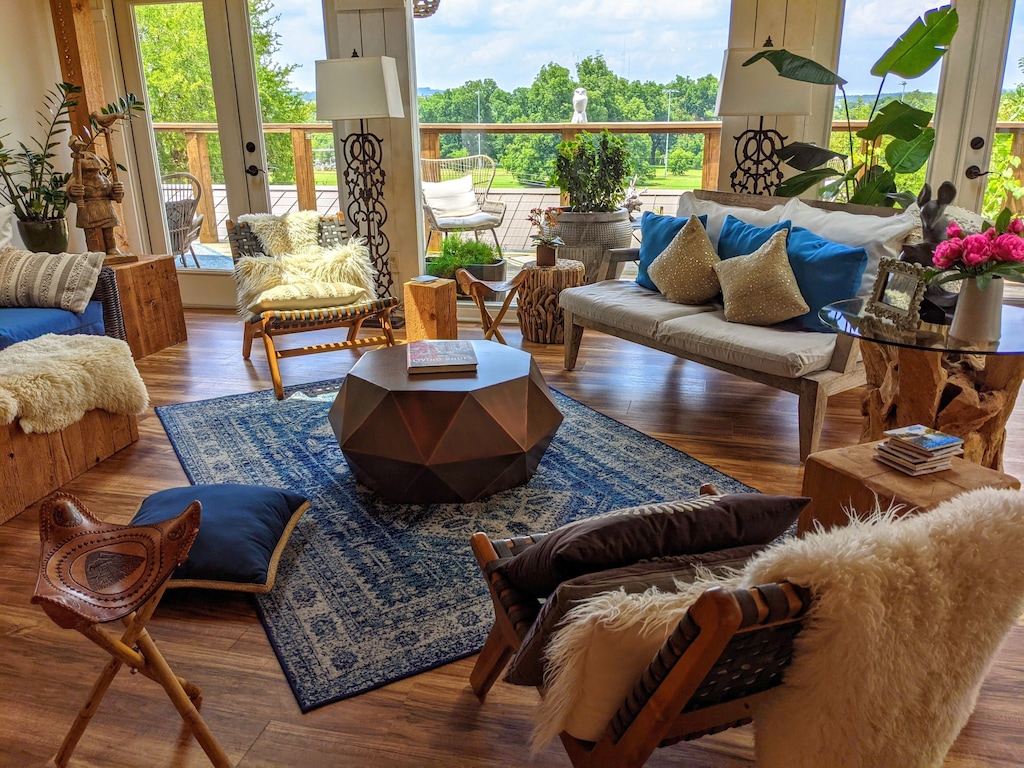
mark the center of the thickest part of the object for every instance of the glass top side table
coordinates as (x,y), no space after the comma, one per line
(927,377)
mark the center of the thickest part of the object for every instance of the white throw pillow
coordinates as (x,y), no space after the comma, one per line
(6,225)
(689,205)
(451,198)
(881,236)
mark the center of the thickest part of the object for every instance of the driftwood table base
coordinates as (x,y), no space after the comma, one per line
(967,395)
(540,317)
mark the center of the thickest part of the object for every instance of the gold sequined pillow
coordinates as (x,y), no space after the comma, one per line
(760,288)
(685,271)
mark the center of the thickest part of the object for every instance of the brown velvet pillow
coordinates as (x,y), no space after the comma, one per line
(527,668)
(653,530)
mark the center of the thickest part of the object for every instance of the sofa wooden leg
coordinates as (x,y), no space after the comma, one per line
(811,414)
(573,337)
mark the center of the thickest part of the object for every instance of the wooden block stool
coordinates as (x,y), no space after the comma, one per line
(91,573)
(850,478)
(430,310)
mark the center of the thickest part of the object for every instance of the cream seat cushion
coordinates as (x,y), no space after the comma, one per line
(775,350)
(624,304)
(451,198)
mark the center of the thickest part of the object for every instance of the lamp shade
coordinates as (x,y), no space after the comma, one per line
(759,89)
(358,88)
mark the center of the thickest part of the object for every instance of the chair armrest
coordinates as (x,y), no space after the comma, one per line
(107,293)
(431,218)
(493,206)
(613,257)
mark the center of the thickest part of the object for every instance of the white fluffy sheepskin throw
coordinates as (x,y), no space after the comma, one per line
(602,649)
(51,381)
(349,264)
(908,614)
(296,232)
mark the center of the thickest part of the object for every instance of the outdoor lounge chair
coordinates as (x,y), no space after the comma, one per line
(182,193)
(455,196)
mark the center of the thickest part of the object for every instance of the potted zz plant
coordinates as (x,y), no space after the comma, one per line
(592,171)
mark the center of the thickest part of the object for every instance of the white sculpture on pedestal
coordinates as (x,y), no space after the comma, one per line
(579,106)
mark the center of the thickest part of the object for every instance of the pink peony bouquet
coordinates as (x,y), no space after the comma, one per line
(995,252)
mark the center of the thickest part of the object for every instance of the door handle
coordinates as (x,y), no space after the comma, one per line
(253,170)
(974,172)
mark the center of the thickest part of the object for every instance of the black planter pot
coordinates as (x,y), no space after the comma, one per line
(49,236)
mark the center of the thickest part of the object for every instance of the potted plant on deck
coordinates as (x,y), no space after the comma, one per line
(476,256)
(592,171)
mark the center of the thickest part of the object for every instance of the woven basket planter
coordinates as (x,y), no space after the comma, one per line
(588,235)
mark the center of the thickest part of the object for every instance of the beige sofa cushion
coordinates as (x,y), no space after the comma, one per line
(626,305)
(689,205)
(773,350)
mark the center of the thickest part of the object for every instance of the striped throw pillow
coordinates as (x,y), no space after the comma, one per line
(57,280)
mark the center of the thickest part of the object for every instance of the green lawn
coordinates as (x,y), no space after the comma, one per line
(505,180)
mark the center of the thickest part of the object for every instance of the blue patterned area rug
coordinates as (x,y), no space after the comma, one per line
(370,592)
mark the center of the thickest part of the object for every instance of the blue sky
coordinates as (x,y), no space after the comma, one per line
(510,40)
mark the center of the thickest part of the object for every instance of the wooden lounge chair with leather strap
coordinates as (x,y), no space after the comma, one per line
(477,289)
(278,322)
(93,573)
(727,651)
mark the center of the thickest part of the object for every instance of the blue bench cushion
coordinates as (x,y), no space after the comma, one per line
(23,323)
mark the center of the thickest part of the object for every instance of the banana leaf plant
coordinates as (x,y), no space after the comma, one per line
(871,181)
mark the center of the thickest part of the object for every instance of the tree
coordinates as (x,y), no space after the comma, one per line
(179,85)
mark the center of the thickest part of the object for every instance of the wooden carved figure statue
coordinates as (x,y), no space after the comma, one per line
(92,189)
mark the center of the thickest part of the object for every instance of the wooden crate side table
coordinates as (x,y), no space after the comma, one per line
(151,304)
(851,478)
(35,464)
(430,310)
(540,317)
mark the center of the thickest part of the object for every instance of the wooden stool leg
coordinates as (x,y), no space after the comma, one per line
(88,710)
(171,683)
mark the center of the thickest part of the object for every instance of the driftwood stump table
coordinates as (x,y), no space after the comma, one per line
(540,317)
(927,377)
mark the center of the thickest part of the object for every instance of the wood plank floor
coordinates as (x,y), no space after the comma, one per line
(743,429)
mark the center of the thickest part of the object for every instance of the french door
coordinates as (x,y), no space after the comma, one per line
(191,62)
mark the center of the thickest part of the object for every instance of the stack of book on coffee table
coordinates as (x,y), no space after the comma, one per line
(919,450)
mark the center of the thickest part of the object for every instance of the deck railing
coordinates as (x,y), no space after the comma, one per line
(198,152)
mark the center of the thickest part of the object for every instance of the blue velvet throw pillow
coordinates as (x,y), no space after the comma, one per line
(243,530)
(825,272)
(656,232)
(739,238)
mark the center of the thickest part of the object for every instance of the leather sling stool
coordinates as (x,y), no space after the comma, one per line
(93,573)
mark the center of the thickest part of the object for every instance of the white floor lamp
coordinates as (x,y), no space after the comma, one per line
(362,89)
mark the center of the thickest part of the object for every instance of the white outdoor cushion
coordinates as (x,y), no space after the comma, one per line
(451,198)
(881,236)
(477,220)
(689,205)
(626,305)
(778,351)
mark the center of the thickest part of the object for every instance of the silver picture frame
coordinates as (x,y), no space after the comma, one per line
(897,294)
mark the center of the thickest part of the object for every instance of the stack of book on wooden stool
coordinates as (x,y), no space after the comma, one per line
(919,450)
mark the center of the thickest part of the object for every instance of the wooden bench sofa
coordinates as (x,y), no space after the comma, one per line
(811,365)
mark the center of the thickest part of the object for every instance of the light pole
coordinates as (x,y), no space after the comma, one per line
(668,119)
(479,133)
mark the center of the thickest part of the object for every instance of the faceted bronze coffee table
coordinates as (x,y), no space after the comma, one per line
(444,437)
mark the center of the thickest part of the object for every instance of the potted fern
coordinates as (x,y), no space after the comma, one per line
(592,171)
